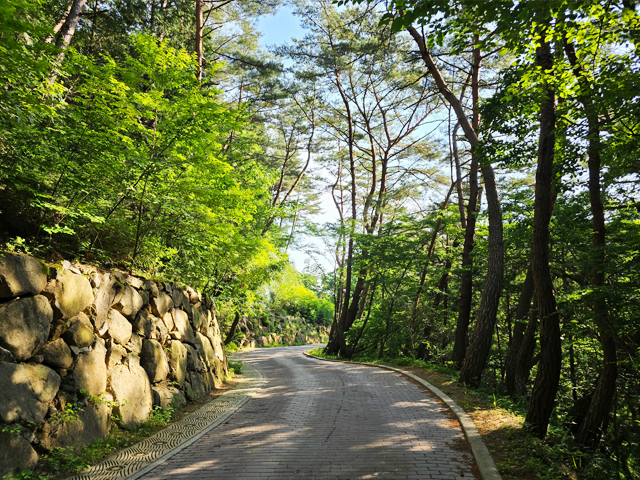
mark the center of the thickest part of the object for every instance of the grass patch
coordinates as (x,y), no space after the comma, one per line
(500,422)
(235,368)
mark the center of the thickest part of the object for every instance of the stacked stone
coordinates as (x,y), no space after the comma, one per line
(113,343)
(256,335)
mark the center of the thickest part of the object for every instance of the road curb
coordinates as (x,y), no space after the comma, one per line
(486,465)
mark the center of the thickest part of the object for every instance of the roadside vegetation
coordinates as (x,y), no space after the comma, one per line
(476,162)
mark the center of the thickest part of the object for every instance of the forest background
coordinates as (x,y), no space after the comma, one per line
(481,161)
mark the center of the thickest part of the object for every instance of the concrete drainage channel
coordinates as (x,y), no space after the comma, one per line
(143,457)
(486,465)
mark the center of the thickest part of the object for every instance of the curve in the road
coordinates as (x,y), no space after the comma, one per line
(320,420)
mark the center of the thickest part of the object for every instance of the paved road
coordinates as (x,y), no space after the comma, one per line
(322,420)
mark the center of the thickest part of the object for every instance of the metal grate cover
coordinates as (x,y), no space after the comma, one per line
(142,457)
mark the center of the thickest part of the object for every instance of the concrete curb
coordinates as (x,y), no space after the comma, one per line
(486,465)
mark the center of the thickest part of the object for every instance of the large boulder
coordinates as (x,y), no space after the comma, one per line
(129,303)
(195,388)
(16,454)
(152,288)
(203,344)
(262,341)
(119,327)
(142,324)
(199,319)
(57,354)
(72,293)
(159,330)
(109,290)
(161,304)
(21,275)
(183,330)
(6,355)
(24,325)
(131,389)
(193,359)
(154,361)
(92,424)
(79,331)
(115,354)
(165,397)
(135,344)
(177,362)
(167,318)
(26,392)
(90,371)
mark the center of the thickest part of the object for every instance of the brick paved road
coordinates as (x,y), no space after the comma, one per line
(321,420)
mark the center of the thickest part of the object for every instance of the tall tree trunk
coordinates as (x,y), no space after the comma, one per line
(525,360)
(591,427)
(480,346)
(199,32)
(493,284)
(340,343)
(522,314)
(546,383)
(466,282)
(232,330)
(69,26)
(425,269)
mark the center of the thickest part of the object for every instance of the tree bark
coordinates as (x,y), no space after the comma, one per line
(480,346)
(525,360)
(466,282)
(493,284)
(199,31)
(232,331)
(591,427)
(517,339)
(548,376)
(69,26)
(339,342)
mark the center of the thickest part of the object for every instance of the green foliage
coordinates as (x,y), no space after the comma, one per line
(25,475)
(70,413)
(289,295)
(235,367)
(64,459)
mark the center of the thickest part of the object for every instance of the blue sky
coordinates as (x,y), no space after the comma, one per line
(279,28)
(276,30)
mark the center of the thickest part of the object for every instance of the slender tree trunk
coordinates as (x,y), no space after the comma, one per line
(480,346)
(69,26)
(475,360)
(591,427)
(522,314)
(340,343)
(425,269)
(199,31)
(548,376)
(56,28)
(525,360)
(466,280)
(232,331)
(476,355)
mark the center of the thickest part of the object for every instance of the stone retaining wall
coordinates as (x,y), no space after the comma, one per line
(282,333)
(78,346)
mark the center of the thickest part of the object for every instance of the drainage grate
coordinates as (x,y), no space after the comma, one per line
(141,455)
